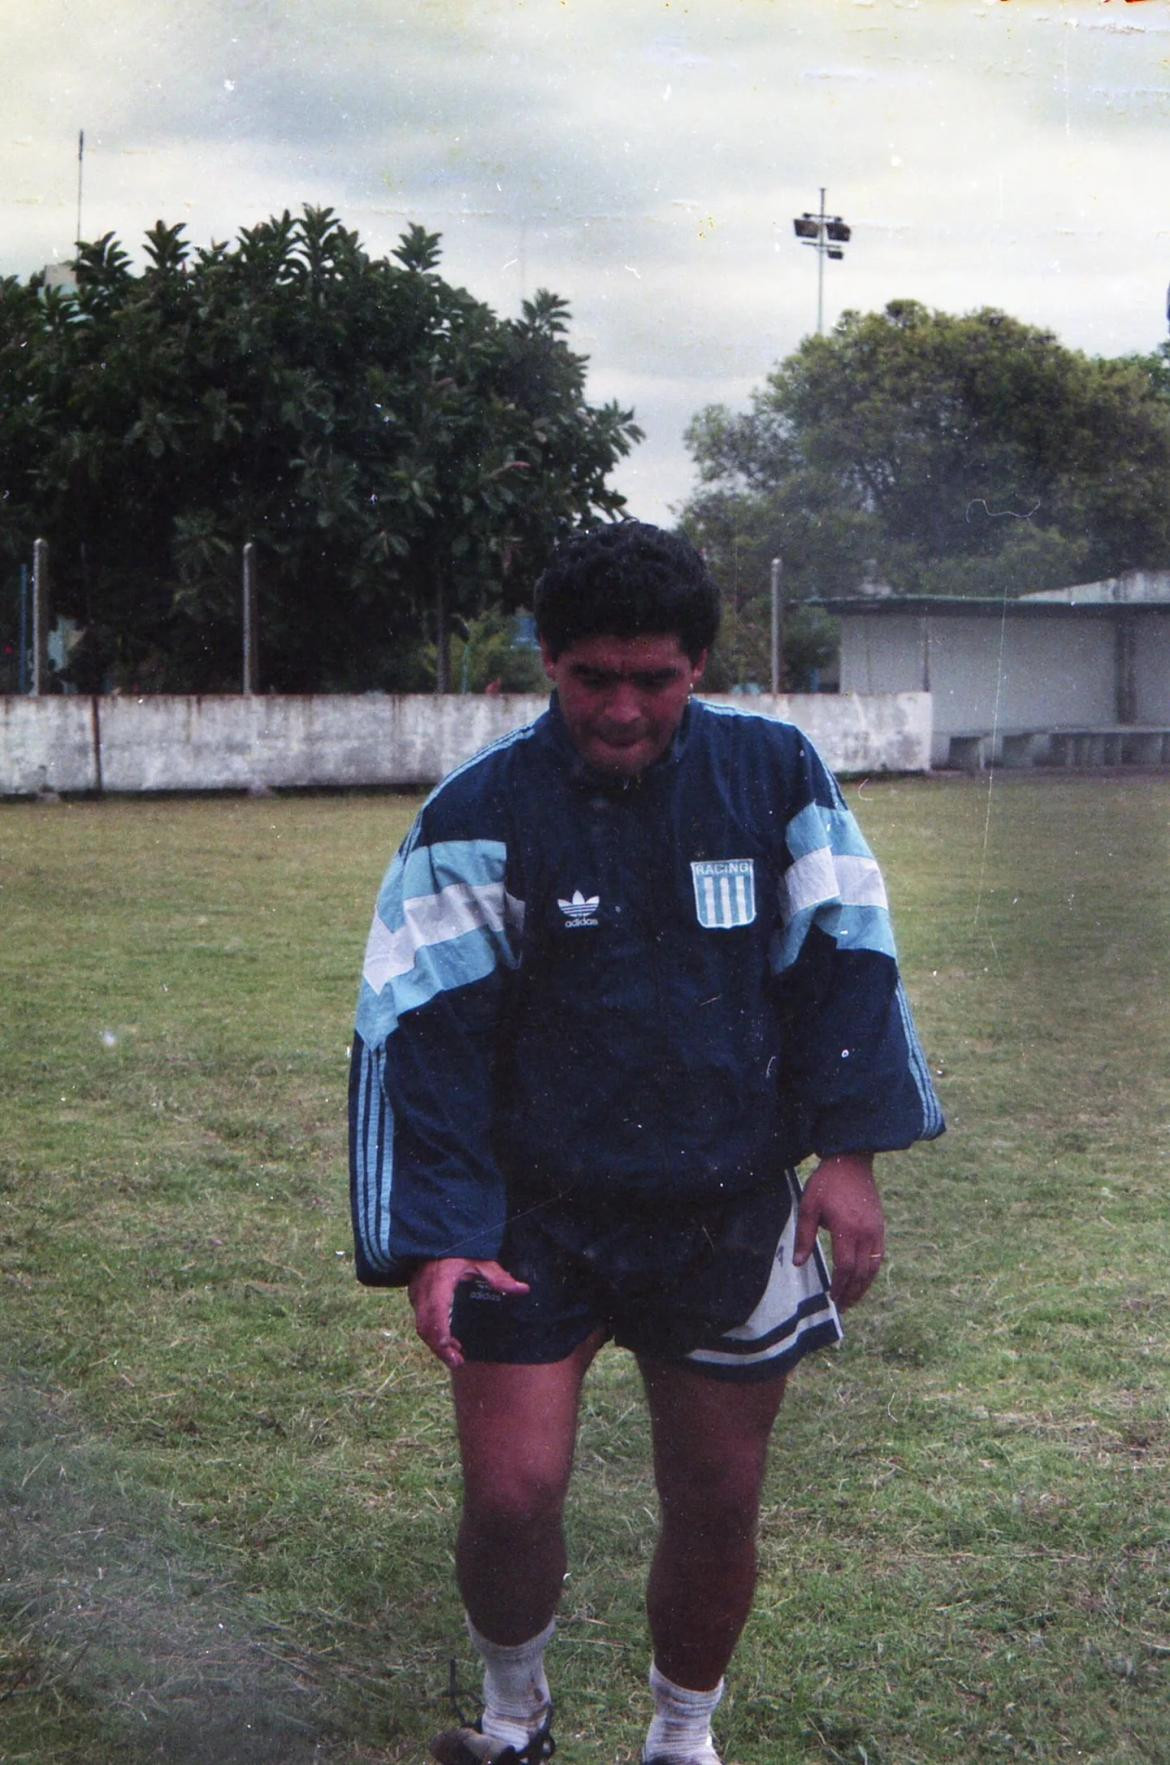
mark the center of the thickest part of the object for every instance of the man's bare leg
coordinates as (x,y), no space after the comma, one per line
(710,1452)
(517,1430)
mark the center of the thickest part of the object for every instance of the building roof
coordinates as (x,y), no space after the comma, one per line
(983,606)
(1134,588)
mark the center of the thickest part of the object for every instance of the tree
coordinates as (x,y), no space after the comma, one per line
(958,455)
(494,655)
(399,455)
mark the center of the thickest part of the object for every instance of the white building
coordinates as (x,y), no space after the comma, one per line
(1070,676)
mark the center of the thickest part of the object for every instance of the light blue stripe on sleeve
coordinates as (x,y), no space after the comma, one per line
(816,827)
(388,906)
(375,1127)
(426,869)
(438,968)
(474,862)
(863,928)
(932,1117)
(852,928)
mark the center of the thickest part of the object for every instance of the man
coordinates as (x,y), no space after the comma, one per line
(631,965)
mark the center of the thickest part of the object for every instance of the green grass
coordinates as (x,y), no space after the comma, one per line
(227,1474)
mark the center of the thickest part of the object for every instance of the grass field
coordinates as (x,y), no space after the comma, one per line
(228,1482)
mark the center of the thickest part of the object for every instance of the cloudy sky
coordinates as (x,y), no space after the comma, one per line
(644,158)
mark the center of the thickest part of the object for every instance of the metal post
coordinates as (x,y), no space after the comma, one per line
(821,268)
(40,618)
(826,234)
(777,623)
(251,626)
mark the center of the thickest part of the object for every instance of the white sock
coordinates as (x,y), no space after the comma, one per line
(680,1732)
(515,1691)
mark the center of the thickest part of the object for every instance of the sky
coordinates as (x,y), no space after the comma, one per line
(642,158)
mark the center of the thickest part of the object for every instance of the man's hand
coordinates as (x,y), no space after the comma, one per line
(842,1198)
(432,1294)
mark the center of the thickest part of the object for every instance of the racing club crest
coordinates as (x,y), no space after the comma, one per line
(725,892)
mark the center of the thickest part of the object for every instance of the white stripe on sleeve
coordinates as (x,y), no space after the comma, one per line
(434,919)
(820,876)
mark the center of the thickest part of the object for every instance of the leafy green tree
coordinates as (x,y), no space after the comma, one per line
(491,655)
(399,455)
(950,454)
(742,654)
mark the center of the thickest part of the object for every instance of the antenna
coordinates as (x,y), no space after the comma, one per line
(80,168)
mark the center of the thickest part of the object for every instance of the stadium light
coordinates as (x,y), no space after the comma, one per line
(826,234)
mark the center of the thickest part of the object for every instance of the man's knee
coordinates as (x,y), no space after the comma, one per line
(721,1518)
(713,1487)
(517,1426)
(511,1497)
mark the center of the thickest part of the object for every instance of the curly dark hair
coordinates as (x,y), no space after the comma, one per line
(625,580)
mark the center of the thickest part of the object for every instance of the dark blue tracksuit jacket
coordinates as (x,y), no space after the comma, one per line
(669,989)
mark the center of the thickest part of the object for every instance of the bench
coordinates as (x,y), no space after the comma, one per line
(968,753)
(1068,746)
(1120,746)
(972,750)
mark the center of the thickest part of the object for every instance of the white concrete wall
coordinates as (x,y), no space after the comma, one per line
(45,749)
(855,732)
(1046,673)
(1018,673)
(882,654)
(170,743)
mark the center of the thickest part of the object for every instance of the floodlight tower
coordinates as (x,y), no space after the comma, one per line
(826,234)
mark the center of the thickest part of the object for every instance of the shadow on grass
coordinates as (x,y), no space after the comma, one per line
(116,1633)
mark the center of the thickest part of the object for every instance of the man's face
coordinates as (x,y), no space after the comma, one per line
(622,698)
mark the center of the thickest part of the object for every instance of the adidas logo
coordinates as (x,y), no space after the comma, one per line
(580,909)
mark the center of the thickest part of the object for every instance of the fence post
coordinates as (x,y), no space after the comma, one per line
(777,623)
(40,618)
(251,624)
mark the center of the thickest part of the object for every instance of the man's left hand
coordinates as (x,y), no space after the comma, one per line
(841,1197)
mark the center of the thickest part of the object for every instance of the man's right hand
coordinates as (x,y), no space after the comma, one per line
(432,1294)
